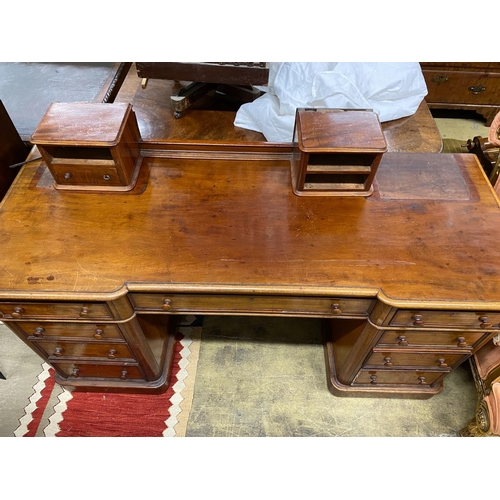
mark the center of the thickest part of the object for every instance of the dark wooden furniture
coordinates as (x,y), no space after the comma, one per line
(485,365)
(230,79)
(12,151)
(406,280)
(464,85)
(336,152)
(90,146)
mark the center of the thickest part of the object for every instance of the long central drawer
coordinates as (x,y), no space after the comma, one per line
(253,304)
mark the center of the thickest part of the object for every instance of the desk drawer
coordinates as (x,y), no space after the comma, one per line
(54,310)
(397,377)
(38,330)
(446,319)
(418,338)
(122,371)
(462,87)
(84,349)
(85,175)
(405,359)
(265,304)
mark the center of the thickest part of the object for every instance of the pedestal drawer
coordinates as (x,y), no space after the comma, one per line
(265,304)
(396,377)
(54,310)
(38,330)
(99,371)
(424,360)
(418,338)
(450,319)
(84,349)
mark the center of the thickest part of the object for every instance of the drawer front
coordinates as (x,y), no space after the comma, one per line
(396,377)
(183,303)
(403,359)
(54,310)
(418,338)
(115,371)
(462,87)
(93,331)
(84,350)
(446,319)
(85,175)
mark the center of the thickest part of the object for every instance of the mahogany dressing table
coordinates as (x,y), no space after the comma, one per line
(406,280)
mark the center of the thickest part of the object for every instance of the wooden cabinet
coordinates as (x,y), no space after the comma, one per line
(89,146)
(467,85)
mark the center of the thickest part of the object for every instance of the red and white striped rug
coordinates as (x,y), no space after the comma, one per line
(56,411)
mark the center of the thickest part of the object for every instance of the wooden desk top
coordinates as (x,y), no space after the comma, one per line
(210,121)
(428,234)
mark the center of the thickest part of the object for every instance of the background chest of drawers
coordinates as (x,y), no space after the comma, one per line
(466,85)
(95,345)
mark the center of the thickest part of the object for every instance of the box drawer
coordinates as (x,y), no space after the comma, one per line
(121,371)
(85,175)
(405,359)
(54,349)
(462,87)
(446,319)
(418,338)
(54,310)
(264,304)
(397,377)
(38,330)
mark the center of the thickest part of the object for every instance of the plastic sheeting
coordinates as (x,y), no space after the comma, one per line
(392,90)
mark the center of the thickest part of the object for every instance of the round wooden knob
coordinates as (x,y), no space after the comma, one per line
(123,375)
(421,380)
(75,373)
(402,340)
(98,334)
(484,323)
(38,332)
(336,309)
(373,379)
(461,342)
(167,305)
(84,312)
(388,362)
(418,319)
(442,363)
(58,351)
(17,312)
(112,354)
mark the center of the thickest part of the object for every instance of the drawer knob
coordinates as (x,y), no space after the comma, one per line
(336,309)
(17,312)
(112,354)
(167,304)
(38,332)
(442,363)
(84,312)
(418,320)
(421,380)
(477,89)
(373,379)
(461,342)
(106,177)
(388,362)
(98,334)
(67,176)
(75,373)
(484,323)
(123,375)
(58,351)
(402,340)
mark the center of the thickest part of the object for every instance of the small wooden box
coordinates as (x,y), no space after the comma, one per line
(336,152)
(90,146)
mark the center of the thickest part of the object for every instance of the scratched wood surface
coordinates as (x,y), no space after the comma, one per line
(236,223)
